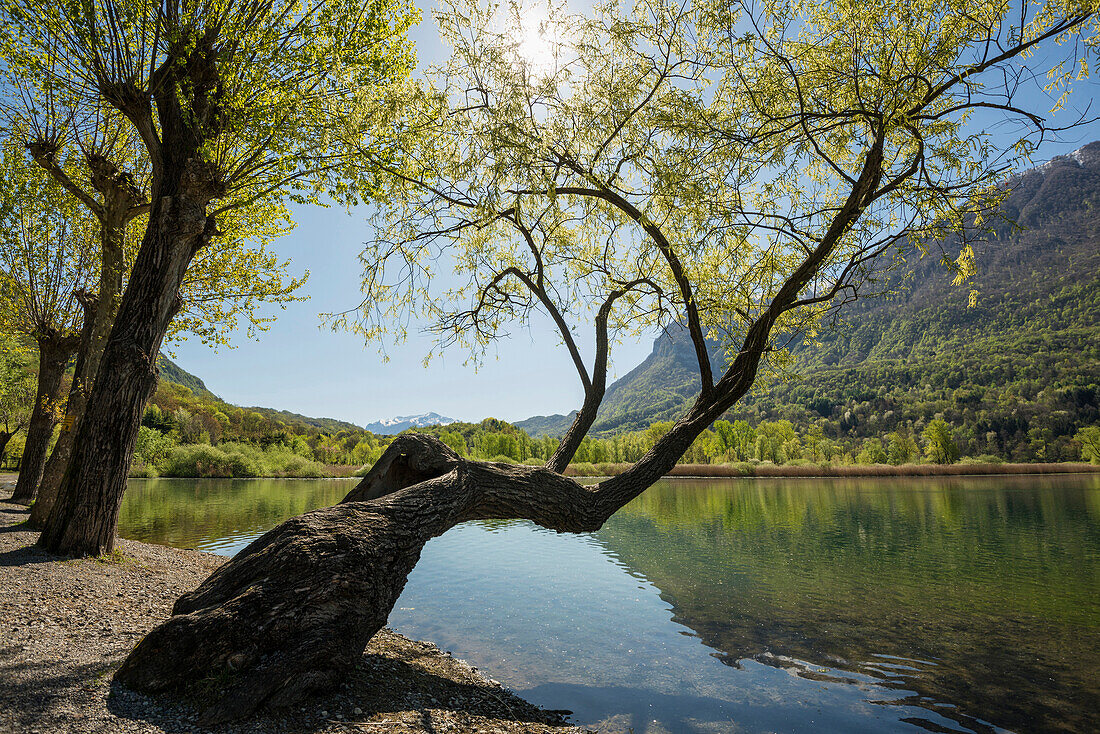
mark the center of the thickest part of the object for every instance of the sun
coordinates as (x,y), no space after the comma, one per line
(537,45)
(534,47)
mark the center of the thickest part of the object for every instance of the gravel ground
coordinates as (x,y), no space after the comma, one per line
(66,625)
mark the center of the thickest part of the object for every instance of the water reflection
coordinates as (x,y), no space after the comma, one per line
(715,606)
(979,593)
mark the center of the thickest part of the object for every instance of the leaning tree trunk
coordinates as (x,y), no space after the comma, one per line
(292,613)
(74,408)
(54,350)
(82,521)
(104,307)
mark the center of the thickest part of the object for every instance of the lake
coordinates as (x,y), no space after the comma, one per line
(965,604)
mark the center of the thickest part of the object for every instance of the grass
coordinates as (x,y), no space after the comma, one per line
(114,558)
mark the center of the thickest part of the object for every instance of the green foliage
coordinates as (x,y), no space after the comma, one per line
(940,447)
(47,249)
(237,460)
(152,447)
(1089,437)
(872,452)
(903,448)
(208,461)
(17,389)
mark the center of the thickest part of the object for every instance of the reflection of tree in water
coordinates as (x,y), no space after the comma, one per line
(204,513)
(971,599)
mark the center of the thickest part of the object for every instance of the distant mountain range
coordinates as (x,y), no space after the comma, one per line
(1018,373)
(172,372)
(393,426)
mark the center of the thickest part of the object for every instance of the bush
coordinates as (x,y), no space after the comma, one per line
(200,460)
(283,461)
(581,469)
(610,470)
(502,459)
(301,467)
(982,459)
(141,470)
(152,446)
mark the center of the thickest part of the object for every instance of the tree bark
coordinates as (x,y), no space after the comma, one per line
(104,307)
(292,613)
(5,437)
(82,521)
(54,350)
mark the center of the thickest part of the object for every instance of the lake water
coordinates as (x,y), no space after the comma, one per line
(804,605)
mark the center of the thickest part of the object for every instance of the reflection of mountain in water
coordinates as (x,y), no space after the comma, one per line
(971,600)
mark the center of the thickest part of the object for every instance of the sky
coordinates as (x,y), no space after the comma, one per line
(301,365)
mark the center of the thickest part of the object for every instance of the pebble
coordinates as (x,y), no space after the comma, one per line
(67,625)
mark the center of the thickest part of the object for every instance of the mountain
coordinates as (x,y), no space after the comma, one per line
(538,426)
(172,372)
(325,425)
(393,426)
(1017,374)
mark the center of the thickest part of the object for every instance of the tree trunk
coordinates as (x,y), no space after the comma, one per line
(292,613)
(5,436)
(54,350)
(82,521)
(104,307)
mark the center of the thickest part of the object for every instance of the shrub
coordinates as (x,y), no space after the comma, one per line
(581,469)
(200,460)
(982,459)
(141,470)
(297,466)
(152,446)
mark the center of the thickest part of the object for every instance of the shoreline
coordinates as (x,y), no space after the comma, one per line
(69,623)
(779,471)
(831,471)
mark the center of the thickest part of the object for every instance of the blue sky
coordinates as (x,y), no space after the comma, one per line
(302,366)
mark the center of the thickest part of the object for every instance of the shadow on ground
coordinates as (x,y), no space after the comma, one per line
(395,695)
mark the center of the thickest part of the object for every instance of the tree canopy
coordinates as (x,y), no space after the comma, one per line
(234,102)
(723,165)
(47,250)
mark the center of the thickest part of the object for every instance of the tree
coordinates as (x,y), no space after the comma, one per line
(1089,438)
(98,159)
(902,447)
(872,452)
(228,281)
(814,438)
(46,259)
(941,447)
(17,391)
(231,102)
(741,170)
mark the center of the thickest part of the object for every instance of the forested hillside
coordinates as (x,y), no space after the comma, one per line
(1016,375)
